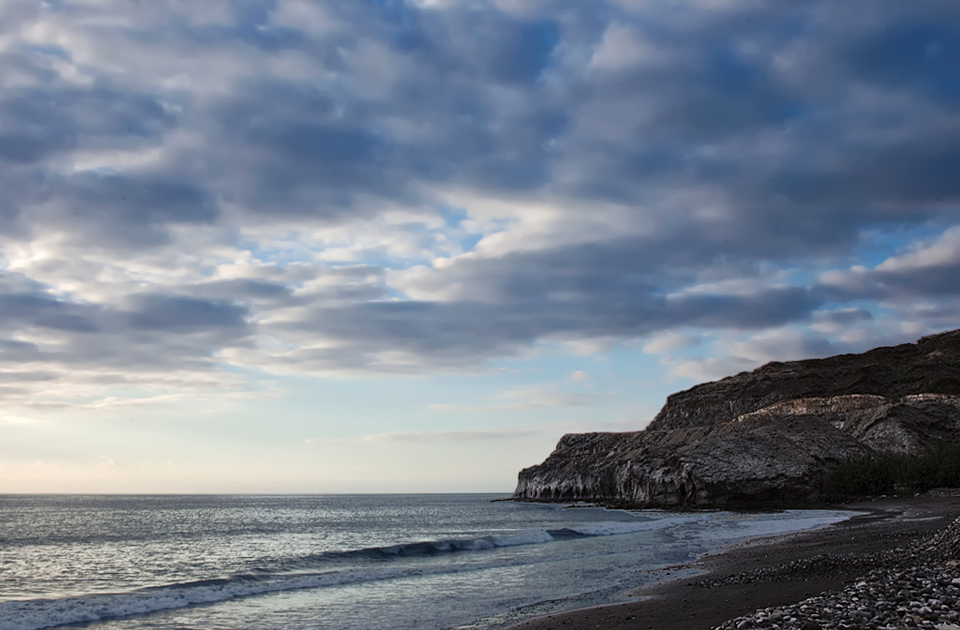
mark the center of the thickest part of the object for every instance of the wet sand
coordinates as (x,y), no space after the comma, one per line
(770,571)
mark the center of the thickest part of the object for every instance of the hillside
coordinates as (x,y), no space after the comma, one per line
(767,436)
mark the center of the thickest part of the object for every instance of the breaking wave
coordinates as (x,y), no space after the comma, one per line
(374,564)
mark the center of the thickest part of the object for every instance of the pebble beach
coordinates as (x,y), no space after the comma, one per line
(895,566)
(914,586)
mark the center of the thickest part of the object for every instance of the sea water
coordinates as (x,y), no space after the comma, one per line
(366,562)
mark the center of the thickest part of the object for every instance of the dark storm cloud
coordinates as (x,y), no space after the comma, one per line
(788,78)
(39,122)
(154,331)
(805,125)
(241,289)
(298,148)
(20,351)
(42,311)
(286,145)
(121,210)
(844,317)
(919,51)
(49,120)
(451,334)
(182,314)
(33,128)
(285,149)
(455,41)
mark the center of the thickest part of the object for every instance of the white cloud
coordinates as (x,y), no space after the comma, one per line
(473,435)
(447,436)
(588,347)
(942,251)
(670,341)
(338,201)
(310,17)
(523,399)
(13,419)
(623,48)
(713,368)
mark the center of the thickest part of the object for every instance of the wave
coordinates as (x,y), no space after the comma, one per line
(616,528)
(452,545)
(47,613)
(482,543)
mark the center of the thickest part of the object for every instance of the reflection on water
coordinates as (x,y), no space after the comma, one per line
(344,562)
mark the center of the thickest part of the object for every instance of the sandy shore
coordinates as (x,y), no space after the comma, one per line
(771,571)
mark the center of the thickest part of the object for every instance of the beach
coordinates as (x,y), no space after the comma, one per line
(769,572)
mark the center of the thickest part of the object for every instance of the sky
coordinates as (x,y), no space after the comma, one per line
(336,246)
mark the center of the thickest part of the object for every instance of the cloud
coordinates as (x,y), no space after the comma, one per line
(164,312)
(712,368)
(353,188)
(115,403)
(925,268)
(17,420)
(853,331)
(670,341)
(400,335)
(430,436)
(524,399)
(446,436)
(54,346)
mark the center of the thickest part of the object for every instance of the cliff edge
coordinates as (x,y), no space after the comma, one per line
(769,436)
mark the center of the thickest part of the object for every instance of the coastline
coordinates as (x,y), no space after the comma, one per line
(767,571)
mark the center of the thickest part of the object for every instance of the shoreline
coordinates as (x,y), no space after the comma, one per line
(765,572)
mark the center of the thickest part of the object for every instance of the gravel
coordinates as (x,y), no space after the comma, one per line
(914,586)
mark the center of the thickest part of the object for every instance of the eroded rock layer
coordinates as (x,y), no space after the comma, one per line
(769,436)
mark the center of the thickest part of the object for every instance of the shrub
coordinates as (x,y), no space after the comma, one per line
(889,473)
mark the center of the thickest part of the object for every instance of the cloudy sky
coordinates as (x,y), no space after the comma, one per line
(404,245)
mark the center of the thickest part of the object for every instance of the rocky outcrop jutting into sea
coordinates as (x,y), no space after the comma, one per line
(768,436)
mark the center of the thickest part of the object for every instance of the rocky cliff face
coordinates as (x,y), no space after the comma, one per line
(770,435)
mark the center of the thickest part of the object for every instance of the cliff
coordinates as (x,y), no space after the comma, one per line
(770,436)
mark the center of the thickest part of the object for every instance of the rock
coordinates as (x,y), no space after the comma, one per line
(768,436)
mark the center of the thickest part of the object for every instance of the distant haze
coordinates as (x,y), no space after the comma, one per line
(405,245)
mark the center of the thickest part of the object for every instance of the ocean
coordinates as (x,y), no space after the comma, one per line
(362,562)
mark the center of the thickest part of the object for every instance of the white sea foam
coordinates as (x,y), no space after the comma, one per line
(615,528)
(513,539)
(48,613)
(790,521)
(522,537)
